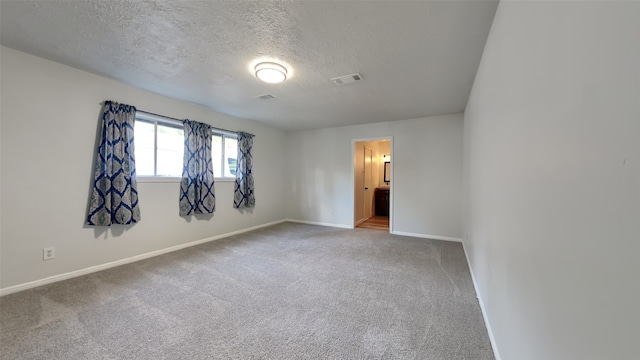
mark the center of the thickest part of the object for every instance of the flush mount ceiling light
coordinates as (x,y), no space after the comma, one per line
(271,72)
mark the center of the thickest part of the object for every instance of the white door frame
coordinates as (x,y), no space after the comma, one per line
(353,178)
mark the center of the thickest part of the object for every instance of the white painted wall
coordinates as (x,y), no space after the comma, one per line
(427,158)
(49,121)
(552,148)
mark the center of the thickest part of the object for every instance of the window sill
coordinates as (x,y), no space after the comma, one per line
(171,179)
(158,179)
(228,179)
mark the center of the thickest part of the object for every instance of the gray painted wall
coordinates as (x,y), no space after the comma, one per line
(427,174)
(49,121)
(552,148)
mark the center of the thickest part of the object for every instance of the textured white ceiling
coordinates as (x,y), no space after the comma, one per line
(417,58)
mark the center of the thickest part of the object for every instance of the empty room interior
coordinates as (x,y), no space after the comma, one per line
(320,179)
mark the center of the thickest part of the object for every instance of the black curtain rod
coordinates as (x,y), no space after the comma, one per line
(180,120)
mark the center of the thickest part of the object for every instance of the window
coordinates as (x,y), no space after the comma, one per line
(159,147)
(224,151)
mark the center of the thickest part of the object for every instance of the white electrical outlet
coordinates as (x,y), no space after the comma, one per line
(48,253)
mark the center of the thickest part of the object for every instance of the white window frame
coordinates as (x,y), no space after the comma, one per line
(225,134)
(155,120)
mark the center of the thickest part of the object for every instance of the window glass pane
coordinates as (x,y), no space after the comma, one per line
(216,155)
(143,142)
(168,146)
(230,154)
(170,151)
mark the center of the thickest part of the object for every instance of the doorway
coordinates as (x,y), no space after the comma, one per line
(372,184)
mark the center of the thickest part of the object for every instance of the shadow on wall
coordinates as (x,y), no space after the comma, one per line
(103,231)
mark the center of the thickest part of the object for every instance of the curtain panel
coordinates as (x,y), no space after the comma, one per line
(114,195)
(197,195)
(243,196)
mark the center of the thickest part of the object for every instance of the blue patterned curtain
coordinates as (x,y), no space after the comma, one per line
(243,196)
(114,197)
(197,195)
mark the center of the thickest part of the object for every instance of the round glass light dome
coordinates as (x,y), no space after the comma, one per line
(271,72)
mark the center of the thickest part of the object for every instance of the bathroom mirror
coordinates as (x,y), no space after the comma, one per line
(387,171)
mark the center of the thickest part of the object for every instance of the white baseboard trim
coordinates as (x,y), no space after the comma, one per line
(492,339)
(320,223)
(92,269)
(426,236)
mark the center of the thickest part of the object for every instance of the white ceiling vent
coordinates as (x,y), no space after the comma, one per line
(265,97)
(347,79)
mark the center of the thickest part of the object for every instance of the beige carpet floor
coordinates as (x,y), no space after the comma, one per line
(289,291)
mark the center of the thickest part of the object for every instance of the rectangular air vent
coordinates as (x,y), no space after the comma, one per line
(347,79)
(265,97)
